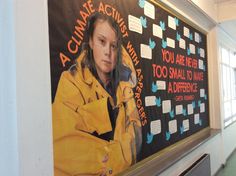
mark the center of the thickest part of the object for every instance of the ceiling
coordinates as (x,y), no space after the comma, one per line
(230,28)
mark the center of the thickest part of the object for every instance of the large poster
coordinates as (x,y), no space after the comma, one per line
(128,79)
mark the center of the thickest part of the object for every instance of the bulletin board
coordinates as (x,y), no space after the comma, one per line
(168,54)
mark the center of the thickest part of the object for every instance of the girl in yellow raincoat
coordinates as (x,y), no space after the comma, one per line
(96,127)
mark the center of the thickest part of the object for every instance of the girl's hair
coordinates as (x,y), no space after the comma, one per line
(88,59)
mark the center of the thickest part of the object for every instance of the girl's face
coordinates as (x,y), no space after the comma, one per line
(104,46)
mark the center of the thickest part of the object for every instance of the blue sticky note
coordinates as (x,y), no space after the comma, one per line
(184,112)
(188,51)
(177,36)
(149,138)
(154,87)
(176,21)
(193,104)
(172,114)
(162,25)
(158,102)
(181,130)
(143,21)
(164,43)
(167,136)
(199,103)
(152,43)
(141,3)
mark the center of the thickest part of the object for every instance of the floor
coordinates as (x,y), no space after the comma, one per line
(230,167)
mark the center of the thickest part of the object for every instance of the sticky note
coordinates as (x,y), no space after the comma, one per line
(170,42)
(202,92)
(202,107)
(146,51)
(192,48)
(166,106)
(196,37)
(150,101)
(161,85)
(135,24)
(186,32)
(200,64)
(182,43)
(157,31)
(172,126)
(155,127)
(171,22)
(149,10)
(202,53)
(196,119)
(190,109)
(178,109)
(186,125)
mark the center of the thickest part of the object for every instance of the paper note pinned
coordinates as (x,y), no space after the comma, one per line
(182,43)
(202,92)
(150,101)
(190,109)
(200,64)
(186,32)
(196,37)
(202,107)
(155,127)
(196,119)
(146,51)
(172,126)
(157,31)
(186,125)
(149,10)
(135,24)
(161,85)
(166,106)
(202,53)
(192,48)
(178,109)
(171,22)
(170,42)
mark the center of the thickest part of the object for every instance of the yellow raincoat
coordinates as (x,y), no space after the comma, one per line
(79,109)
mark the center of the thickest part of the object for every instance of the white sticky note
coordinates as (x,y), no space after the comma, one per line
(196,37)
(202,53)
(170,42)
(190,109)
(196,119)
(202,107)
(155,127)
(202,92)
(161,85)
(149,10)
(166,106)
(186,32)
(172,126)
(171,22)
(186,125)
(178,109)
(135,24)
(146,51)
(150,100)
(192,48)
(200,64)
(157,31)
(182,43)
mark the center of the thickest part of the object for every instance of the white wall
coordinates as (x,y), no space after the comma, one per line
(8,118)
(25,95)
(33,88)
(226,11)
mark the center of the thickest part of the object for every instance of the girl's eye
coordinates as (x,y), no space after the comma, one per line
(113,46)
(102,41)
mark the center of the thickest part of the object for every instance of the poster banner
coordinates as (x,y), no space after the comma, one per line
(128,79)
